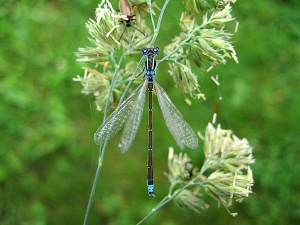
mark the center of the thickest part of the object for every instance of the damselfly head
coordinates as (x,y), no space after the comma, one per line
(147,51)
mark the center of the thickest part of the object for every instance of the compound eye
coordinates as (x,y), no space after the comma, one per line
(156,50)
(144,51)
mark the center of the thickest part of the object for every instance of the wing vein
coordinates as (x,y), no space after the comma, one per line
(179,128)
(133,121)
(114,123)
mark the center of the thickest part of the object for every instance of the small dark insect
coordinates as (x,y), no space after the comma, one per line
(220,5)
(126,10)
(189,169)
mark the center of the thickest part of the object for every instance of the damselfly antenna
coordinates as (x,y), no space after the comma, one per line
(126,10)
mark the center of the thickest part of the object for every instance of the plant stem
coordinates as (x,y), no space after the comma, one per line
(172,194)
(157,28)
(151,15)
(163,202)
(99,167)
(103,147)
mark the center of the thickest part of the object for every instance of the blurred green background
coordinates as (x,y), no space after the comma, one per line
(47,153)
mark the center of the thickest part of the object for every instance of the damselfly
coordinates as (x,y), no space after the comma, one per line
(126,10)
(130,113)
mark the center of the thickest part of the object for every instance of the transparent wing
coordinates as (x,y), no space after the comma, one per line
(133,121)
(117,119)
(179,128)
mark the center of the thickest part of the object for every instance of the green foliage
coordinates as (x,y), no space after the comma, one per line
(47,160)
